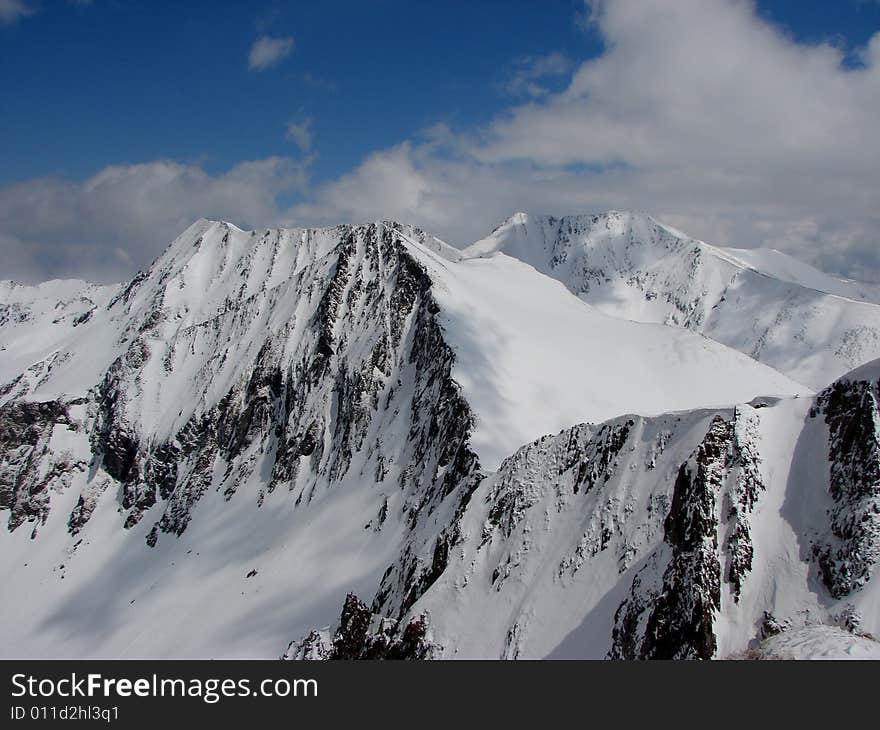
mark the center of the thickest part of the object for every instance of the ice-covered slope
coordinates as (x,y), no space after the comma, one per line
(763,303)
(689,535)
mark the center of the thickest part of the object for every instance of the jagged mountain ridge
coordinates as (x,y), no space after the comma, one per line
(750,531)
(267,420)
(531,358)
(804,323)
(315,419)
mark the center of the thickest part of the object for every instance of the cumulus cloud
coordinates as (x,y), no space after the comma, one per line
(403,183)
(106,227)
(707,80)
(698,111)
(267,52)
(13,10)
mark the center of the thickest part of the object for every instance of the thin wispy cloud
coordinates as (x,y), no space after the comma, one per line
(299,131)
(14,10)
(531,73)
(11,11)
(268,51)
(316,82)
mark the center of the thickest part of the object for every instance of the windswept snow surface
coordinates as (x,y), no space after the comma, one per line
(781,266)
(782,312)
(37,321)
(532,359)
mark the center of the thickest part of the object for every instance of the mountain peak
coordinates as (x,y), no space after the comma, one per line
(760,302)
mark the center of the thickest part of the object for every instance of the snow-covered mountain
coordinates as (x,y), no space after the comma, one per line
(278,434)
(804,323)
(748,532)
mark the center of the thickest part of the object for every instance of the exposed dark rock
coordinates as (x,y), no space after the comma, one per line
(675,619)
(369,287)
(25,430)
(742,499)
(364,635)
(848,556)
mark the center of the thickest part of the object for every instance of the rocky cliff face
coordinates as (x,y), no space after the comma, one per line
(250,363)
(362,634)
(673,617)
(669,537)
(850,549)
(31,469)
(654,510)
(354,356)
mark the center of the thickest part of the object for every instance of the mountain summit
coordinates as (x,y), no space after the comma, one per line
(773,308)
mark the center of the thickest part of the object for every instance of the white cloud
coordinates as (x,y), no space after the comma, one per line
(300,132)
(697,111)
(387,184)
(13,10)
(703,80)
(118,220)
(267,52)
(530,71)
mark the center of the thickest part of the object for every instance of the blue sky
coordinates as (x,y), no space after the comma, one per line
(358,93)
(124,81)
(130,80)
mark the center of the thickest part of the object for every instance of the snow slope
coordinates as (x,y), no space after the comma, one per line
(237,438)
(808,325)
(689,535)
(818,642)
(206,460)
(532,359)
(36,320)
